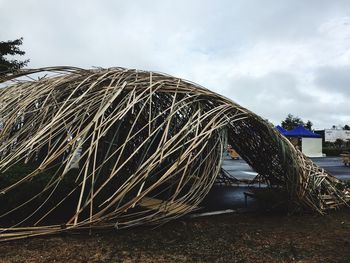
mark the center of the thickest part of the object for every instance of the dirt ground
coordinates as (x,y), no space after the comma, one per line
(225,238)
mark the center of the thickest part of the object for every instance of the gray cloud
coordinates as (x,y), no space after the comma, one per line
(273,95)
(278,93)
(274,57)
(334,79)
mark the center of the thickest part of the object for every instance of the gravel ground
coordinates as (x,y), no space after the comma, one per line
(249,237)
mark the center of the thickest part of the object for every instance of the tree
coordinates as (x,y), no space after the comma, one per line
(339,142)
(11,48)
(291,122)
(308,125)
(346,127)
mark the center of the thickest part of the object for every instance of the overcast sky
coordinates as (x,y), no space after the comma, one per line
(273,57)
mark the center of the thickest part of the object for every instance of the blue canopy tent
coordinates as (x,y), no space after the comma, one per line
(281,129)
(310,142)
(300,131)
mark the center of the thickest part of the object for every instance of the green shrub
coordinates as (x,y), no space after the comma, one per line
(333,151)
(33,188)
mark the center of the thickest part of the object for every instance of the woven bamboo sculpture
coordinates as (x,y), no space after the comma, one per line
(148,148)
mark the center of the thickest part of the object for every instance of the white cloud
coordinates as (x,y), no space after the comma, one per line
(274,57)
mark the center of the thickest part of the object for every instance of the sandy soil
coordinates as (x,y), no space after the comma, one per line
(225,238)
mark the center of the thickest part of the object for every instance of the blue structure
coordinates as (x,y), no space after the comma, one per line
(281,129)
(300,131)
(309,142)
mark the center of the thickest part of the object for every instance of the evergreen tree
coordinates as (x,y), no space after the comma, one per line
(11,48)
(291,122)
(308,125)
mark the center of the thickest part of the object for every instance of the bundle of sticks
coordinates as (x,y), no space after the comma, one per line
(121,147)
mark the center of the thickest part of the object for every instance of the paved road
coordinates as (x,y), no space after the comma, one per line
(241,170)
(221,197)
(335,166)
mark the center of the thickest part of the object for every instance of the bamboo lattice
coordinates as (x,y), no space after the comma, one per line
(119,147)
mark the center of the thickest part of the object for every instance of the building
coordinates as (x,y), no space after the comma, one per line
(308,142)
(331,135)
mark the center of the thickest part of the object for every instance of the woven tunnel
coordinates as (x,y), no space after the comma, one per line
(118,147)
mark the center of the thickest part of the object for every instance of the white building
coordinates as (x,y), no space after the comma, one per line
(331,135)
